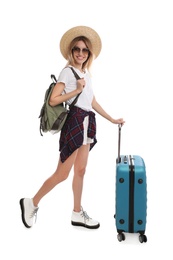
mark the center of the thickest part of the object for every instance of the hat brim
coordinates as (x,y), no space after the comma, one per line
(77,31)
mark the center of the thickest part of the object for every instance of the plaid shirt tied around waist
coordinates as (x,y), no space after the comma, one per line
(72,133)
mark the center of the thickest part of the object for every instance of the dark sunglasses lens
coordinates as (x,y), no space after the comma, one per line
(85,50)
(76,49)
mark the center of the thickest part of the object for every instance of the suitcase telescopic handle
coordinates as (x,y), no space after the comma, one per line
(119,142)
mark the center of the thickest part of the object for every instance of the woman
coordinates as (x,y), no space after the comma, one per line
(79,46)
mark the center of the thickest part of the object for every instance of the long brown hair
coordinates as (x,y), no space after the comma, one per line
(87,64)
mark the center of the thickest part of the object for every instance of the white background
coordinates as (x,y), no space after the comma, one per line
(132,78)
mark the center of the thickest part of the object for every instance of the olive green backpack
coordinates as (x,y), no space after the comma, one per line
(52,118)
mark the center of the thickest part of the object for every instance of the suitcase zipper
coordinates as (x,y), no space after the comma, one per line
(131,194)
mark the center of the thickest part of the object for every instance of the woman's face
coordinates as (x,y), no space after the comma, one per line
(80,52)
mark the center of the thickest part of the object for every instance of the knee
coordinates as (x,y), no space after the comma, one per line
(80,171)
(65,176)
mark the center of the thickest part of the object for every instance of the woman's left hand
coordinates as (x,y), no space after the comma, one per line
(118,121)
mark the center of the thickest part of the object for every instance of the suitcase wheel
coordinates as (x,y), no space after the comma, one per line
(121,237)
(142,238)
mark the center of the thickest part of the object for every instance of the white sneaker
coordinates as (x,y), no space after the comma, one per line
(82,219)
(29,212)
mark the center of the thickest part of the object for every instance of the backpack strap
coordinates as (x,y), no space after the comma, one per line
(75,73)
(76,98)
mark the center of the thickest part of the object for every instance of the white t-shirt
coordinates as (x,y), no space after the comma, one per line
(85,99)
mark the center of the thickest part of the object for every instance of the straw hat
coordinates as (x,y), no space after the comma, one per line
(77,31)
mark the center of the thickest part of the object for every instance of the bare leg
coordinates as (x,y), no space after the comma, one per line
(59,175)
(79,171)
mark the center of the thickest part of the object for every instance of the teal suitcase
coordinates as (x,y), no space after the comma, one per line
(130,195)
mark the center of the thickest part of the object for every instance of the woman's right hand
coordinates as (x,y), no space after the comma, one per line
(80,84)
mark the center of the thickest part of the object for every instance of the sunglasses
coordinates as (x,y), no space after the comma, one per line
(78,50)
